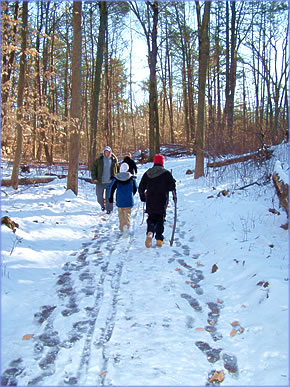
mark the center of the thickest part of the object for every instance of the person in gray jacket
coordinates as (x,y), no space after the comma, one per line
(103,170)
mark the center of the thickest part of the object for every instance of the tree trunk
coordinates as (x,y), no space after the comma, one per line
(97,82)
(20,94)
(183,40)
(131,94)
(203,38)
(154,143)
(75,116)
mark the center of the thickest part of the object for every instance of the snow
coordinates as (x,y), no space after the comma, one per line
(113,312)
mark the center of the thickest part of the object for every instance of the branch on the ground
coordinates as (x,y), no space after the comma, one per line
(259,155)
(27,181)
(39,180)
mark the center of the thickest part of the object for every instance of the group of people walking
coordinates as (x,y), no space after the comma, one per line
(154,188)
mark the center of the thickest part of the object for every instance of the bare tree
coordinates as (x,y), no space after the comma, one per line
(152,12)
(75,114)
(97,81)
(20,93)
(203,38)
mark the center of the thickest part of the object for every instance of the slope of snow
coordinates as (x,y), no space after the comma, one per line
(101,309)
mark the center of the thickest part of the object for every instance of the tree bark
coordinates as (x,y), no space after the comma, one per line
(203,26)
(97,82)
(75,124)
(154,141)
(20,94)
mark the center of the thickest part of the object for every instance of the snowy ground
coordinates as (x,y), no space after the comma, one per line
(82,305)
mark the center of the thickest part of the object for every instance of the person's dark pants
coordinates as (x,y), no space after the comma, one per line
(100,189)
(155,224)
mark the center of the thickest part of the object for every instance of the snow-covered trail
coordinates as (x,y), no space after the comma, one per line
(121,314)
(106,325)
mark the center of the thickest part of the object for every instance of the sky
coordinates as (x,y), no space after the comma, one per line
(82,304)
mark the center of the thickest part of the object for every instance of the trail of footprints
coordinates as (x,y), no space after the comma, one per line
(78,274)
(213,353)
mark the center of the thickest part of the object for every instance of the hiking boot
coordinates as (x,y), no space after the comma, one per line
(159,243)
(148,242)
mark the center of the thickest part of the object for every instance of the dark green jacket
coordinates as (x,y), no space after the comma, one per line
(97,168)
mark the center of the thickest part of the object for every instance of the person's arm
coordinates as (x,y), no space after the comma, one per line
(94,172)
(112,190)
(142,188)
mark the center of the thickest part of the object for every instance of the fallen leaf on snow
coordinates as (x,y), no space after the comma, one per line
(27,337)
(187,282)
(214,268)
(103,374)
(217,377)
(234,323)
(199,329)
(233,333)
(219,301)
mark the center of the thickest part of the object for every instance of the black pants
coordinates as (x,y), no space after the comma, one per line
(155,224)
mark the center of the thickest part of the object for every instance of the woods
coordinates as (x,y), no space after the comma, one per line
(214,78)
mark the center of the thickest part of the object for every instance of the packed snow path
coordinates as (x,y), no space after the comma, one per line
(103,318)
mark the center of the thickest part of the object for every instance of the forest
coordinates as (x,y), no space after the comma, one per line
(213,78)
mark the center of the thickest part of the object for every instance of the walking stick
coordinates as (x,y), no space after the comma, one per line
(143,214)
(175,217)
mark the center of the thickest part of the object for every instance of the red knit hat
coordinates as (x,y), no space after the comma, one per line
(158,159)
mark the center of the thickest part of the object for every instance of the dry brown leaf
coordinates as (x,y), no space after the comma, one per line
(219,301)
(217,377)
(233,333)
(234,323)
(187,282)
(177,269)
(214,268)
(103,374)
(27,337)
(199,329)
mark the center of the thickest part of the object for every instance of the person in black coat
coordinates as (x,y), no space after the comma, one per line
(154,188)
(132,165)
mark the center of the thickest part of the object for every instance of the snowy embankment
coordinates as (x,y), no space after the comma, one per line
(82,305)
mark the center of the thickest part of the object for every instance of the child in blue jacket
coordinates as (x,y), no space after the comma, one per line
(124,183)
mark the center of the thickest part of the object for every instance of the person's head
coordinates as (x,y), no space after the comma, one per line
(158,159)
(124,167)
(107,151)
